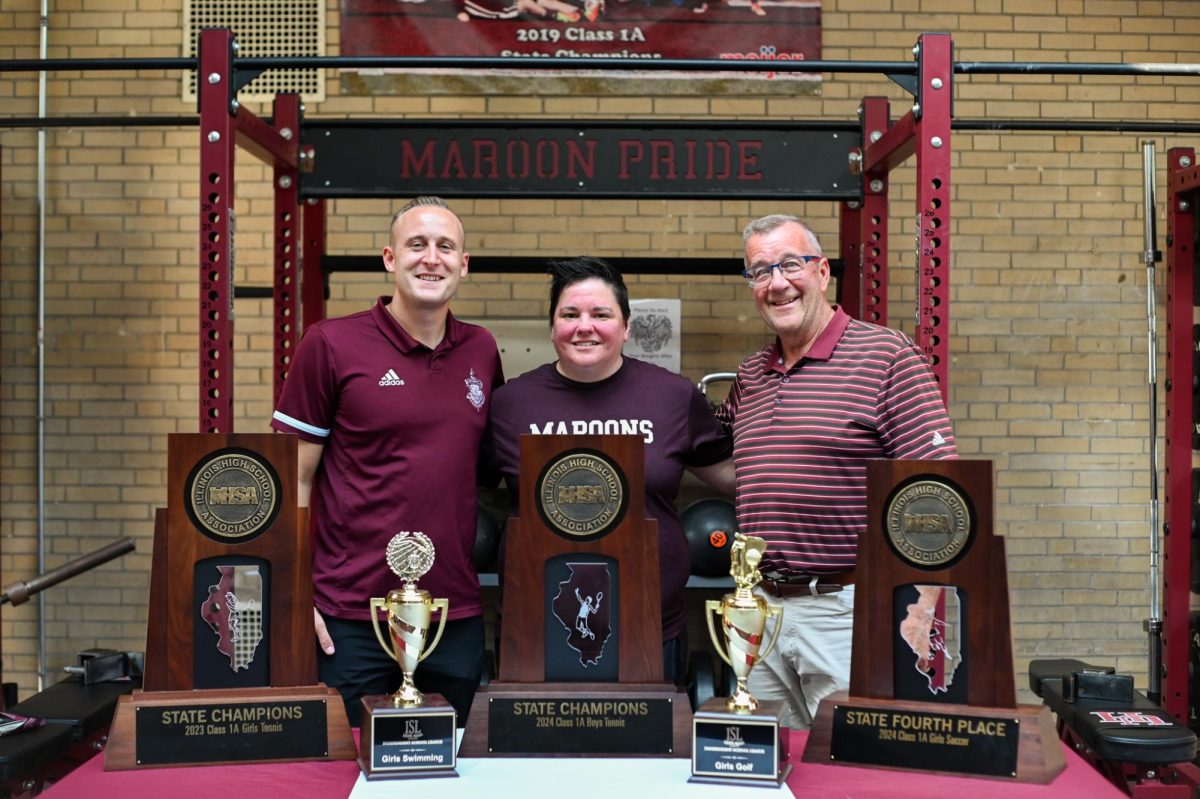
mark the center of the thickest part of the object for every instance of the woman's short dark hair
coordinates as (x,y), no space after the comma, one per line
(569,271)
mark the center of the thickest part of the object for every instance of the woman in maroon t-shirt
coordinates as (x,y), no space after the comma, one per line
(594,389)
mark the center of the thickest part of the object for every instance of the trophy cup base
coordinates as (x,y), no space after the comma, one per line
(1018,744)
(739,748)
(407,742)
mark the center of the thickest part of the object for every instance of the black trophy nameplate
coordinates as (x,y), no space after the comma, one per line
(580,725)
(736,748)
(947,742)
(408,742)
(230,731)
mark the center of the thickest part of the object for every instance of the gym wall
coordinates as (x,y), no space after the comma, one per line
(1048,313)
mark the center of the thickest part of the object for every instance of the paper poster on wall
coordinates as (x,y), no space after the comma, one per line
(772,31)
(654,333)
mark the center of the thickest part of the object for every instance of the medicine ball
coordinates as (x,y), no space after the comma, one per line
(709,525)
(487,541)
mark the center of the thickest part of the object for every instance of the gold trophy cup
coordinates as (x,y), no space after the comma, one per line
(743,620)
(407,727)
(735,740)
(409,612)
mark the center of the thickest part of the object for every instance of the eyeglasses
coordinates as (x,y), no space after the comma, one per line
(792,267)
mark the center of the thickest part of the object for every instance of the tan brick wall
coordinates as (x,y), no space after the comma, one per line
(1048,314)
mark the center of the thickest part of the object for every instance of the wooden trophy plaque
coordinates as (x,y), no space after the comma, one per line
(230,667)
(580,627)
(931,675)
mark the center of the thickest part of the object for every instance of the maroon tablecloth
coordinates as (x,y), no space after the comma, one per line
(335,780)
(812,781)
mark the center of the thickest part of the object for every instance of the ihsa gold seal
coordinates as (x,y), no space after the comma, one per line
(928,522)
(232,495)
(582,494)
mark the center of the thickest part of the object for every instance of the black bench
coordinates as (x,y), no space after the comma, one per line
(1133,742)
(1108,715)
(86,709)
(28,759)
(77,721)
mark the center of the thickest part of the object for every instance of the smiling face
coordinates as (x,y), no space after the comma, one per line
(795,308)
(426,258)
(588,331)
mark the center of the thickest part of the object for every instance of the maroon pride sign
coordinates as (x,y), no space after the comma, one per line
(770,30)
(396,158)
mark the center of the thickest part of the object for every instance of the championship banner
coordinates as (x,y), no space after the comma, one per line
(767,30)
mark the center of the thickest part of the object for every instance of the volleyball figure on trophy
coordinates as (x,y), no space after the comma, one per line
(407,734)
(409,612)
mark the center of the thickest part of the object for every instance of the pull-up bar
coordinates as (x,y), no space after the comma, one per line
(251,64)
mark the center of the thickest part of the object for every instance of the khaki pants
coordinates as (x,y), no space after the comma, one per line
(812,657)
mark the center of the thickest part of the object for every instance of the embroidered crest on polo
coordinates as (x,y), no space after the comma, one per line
(474,390)
(937,439)
(390,378)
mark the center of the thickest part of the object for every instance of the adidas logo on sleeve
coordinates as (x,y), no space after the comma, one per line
(391,379)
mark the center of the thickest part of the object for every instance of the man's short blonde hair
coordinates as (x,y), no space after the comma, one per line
(426,201)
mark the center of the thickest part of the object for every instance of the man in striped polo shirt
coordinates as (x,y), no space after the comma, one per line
(807,412)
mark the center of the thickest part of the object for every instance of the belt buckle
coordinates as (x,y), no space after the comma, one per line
(812,586)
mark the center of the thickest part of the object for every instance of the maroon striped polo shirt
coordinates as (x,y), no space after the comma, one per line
(802,437)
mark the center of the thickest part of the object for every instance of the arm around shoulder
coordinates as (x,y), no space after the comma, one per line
(718,475)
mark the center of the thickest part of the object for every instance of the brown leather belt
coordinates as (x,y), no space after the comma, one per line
(808,584)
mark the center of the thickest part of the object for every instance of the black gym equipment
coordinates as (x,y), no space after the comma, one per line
(703,682)
(709,525)
(77,710)
(1134,742)
(487,540)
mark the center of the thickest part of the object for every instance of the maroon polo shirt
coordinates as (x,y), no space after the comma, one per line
(401,426)
(802,438)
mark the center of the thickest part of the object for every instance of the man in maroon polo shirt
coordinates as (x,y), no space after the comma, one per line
(807,412)
(390,405)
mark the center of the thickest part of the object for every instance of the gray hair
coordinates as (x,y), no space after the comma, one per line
(766,224)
